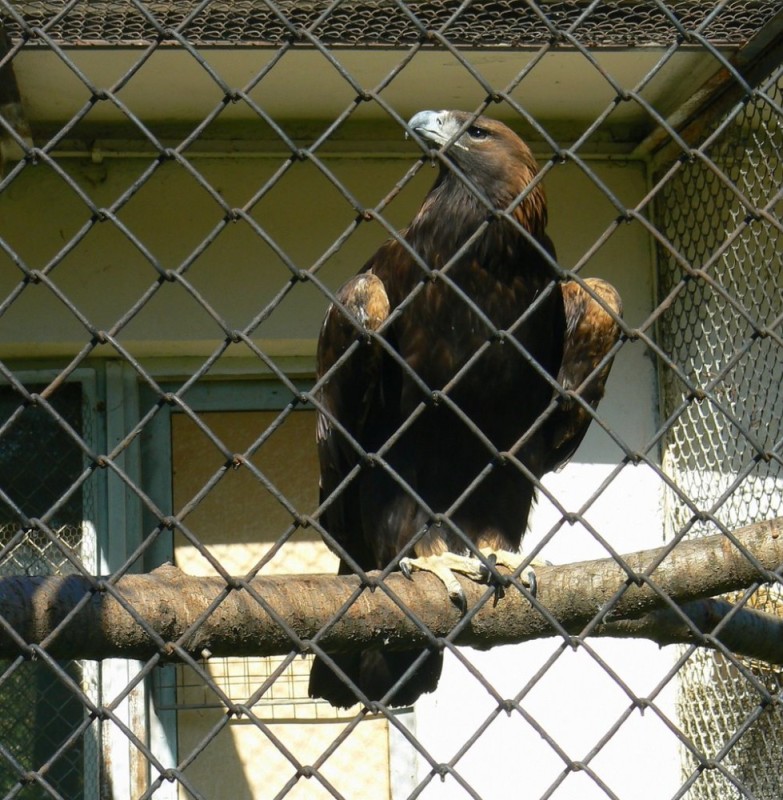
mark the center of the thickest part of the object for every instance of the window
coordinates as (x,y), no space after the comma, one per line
(243,524)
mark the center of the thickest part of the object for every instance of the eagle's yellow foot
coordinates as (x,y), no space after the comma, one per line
(444,565)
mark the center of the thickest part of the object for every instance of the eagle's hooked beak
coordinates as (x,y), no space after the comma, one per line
(436,127)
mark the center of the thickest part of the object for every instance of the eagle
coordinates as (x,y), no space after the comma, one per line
(453,371)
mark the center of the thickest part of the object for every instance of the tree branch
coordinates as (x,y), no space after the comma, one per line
(745,631)
(167,611)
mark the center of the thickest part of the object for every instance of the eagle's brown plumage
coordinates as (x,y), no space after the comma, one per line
(435,332)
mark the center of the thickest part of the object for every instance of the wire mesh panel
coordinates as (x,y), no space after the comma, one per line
(185,187)
(714,446)
(41,712)
(361,24)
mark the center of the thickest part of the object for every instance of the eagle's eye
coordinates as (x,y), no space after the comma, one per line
(477,133)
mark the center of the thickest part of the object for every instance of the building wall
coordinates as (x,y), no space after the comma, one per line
(171,216)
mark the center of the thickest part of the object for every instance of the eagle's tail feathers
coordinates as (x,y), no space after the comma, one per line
(374,673)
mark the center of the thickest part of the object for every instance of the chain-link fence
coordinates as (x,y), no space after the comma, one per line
(716,468)
(39,466)
(185,186)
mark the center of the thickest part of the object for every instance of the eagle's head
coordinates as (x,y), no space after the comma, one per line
(491,155)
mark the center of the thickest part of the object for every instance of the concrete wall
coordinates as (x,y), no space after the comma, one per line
(47,224)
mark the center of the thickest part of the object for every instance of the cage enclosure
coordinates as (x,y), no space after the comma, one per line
(184,188)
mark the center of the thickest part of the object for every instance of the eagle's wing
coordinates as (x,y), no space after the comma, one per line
(358,403)
(349,394)
(590,334)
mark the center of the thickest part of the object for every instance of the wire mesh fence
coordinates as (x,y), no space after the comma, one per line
(716,468)
(184,188)
(39,465)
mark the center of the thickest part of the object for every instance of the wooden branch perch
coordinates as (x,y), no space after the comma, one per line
(79,617)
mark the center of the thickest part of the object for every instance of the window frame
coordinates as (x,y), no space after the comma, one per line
(258,392)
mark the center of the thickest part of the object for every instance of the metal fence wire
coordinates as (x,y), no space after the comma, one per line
(707,460)
(39,709)
(168,248)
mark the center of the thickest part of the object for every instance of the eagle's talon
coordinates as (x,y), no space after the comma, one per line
(442,567)
(532,582)
(485,570)
(460,600)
